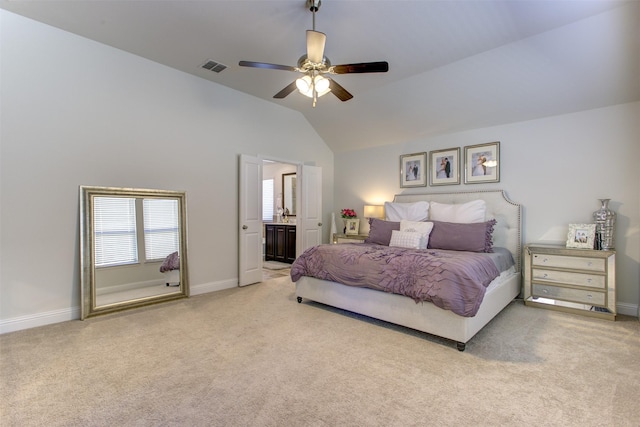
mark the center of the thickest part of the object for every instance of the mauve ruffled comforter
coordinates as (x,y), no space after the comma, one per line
(451,280)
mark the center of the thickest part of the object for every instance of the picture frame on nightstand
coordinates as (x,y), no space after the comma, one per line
(352,226)
(581,236)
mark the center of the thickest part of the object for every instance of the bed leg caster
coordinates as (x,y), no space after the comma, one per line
(461,346)
(299,300)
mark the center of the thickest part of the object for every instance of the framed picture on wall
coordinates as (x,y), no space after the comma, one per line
(581,236)
(444,167)
(482,163)
(413,170)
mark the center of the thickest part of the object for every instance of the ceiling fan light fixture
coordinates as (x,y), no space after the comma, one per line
(305,85)
(322,85)
(314,65)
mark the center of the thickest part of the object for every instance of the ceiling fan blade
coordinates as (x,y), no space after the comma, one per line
(364,67)
(315,46)
(339,91)
(286,91)
(267,66)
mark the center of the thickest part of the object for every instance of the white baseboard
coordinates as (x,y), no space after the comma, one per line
(39,319)
(204,288)
(628,309)
(73,313)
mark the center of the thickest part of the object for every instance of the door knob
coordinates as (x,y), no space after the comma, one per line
(244,227)
(319,224)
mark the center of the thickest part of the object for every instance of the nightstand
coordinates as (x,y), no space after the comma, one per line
(580,281)
(348,238)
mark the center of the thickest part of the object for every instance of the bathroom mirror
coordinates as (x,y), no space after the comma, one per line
(289,192)
(133,248)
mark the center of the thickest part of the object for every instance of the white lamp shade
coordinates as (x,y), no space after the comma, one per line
(372,211)
(304,85)
(322,85)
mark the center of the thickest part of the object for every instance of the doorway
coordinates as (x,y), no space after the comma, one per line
(308,221)
(279,216)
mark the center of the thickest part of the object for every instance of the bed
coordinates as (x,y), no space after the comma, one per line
(171,269)
(426,316)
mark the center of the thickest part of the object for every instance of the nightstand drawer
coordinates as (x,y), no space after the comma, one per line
(570,278)
(349,238)
(572,262)
(567,294)
(339,240)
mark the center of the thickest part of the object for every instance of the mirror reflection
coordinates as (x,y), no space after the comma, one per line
(133,244)
(289,181)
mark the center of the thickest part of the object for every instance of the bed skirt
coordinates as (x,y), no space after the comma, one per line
(403,311)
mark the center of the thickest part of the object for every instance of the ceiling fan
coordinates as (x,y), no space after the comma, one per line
(315,66)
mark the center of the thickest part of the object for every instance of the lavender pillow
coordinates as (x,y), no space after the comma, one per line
(474,237)
(380,231)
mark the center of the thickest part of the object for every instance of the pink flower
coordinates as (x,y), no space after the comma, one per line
(348,213)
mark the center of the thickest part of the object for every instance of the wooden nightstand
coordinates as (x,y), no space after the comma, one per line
(348,238)
(580,281)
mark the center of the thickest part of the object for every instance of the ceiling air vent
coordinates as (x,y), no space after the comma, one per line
(212,65)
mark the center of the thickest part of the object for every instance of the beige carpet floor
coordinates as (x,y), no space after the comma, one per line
(275,265)
(253,356)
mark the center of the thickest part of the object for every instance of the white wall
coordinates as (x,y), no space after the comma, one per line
(557,168)
(75,112)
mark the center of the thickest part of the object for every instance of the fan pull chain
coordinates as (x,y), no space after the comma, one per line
(315,93)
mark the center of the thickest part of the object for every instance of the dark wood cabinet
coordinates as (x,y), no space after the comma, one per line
(280,243)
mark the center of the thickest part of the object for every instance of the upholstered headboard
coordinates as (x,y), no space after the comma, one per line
(507,232)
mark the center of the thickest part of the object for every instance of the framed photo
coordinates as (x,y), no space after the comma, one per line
(482,163)
(581,236)
(352,226)
(445,167)
(413,170)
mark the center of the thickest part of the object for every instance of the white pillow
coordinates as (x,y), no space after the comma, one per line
(417,211)
(464,213)
(420,227)
(405,239)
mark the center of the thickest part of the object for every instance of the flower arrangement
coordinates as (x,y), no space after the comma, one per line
(348,213)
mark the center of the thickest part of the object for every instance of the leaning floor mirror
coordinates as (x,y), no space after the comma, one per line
(133,248)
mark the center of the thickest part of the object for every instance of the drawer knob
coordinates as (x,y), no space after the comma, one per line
(545,275)
(589,263)
(545,291)
(589,280)
(589,296)
(545,260)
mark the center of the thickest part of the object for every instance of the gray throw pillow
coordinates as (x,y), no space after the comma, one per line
(380,231)
(475,237)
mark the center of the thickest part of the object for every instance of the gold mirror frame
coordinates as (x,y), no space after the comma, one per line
(88,286)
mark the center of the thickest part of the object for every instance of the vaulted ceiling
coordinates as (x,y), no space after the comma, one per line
(453,65)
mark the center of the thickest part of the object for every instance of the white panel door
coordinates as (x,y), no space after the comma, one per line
(309,228)
(250,221)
